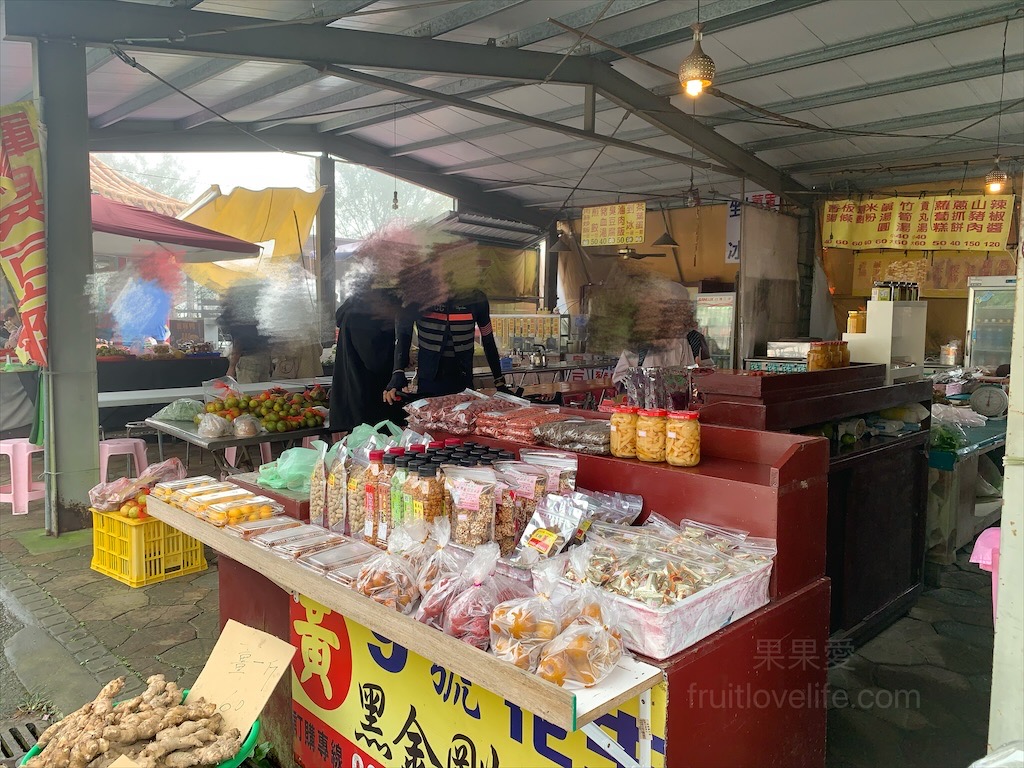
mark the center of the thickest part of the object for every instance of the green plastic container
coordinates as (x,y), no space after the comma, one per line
(248,746)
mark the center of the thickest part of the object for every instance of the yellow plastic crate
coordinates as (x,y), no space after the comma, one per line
(141,552)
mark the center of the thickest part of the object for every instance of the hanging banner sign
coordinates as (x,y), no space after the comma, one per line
(621,224)
(963,223)
(23,224)
(361,701)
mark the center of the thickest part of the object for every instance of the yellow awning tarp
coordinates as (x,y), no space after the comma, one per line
(282,215)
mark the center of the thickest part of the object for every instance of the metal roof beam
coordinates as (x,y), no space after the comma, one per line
(256,95)
(936,149)
(548,178)
(723,15)
(962,22)
(975,178)
(94,59)
(507,114)
(579,18)
(553,151)
(159,136)
(893,125)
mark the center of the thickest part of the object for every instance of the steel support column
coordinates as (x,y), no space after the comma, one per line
(327,292)
(72,418)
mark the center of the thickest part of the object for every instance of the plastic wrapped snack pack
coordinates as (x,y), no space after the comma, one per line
(521,628)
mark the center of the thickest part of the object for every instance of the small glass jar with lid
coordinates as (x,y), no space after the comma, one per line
(817,356)
(650,434)
(682,439)
(623,431)
(844,354)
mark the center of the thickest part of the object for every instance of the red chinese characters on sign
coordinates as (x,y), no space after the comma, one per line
(324,662)
(22,224)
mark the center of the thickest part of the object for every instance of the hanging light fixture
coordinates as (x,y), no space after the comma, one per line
(394,160)
(697,71)
(995,180)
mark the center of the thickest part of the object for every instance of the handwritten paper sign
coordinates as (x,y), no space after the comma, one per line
(242,672)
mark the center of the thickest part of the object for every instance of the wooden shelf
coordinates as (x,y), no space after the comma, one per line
(565,708)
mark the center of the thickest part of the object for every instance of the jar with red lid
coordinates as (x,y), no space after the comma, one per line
(650,434)
(682,439)
(623,431)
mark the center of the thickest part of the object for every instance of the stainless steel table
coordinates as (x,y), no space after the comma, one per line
(188,432)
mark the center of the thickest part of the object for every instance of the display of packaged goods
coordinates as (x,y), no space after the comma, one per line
(371,520)
(682,439)
(336,496)
(164,491)
(471,499)
(356,467)
(307,545)
(347,552)
(426,411)
(616,508)
(318,489)
(253,528)
(556,523)
(622,431)
(277,537)
(468,615)
(442,561)
(346,575)
(238,510)
(198,504)
(182,495)
(651,426)
(518,425)
(561,468)
(591,436)
(461,419)
(521,488)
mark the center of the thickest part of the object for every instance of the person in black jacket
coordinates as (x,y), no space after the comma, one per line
(445,335)
(363,360)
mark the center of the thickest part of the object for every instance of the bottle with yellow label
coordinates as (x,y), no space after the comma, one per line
(650,434)
(682,439)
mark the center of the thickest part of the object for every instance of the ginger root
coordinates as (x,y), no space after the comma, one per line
(156,729)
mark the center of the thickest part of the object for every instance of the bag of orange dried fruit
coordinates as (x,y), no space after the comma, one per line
(388,579)
(521,628)
(589,648)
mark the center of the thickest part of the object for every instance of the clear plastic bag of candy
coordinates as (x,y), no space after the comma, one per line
(521,628)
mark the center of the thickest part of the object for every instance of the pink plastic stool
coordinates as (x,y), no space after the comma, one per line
(23,488)
(231,454)
(986,555)
(131,447)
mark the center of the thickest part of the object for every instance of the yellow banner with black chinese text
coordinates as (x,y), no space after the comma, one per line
(620,224)
(950,223)
(360,699)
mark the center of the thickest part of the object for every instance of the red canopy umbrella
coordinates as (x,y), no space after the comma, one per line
(125,231)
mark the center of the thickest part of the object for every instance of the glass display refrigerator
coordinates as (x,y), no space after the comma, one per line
(716,319)
(989,321)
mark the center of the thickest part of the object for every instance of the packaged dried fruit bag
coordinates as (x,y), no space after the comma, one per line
(468,615)
(588,649)
(560,466)
(521,628)
(388,579)
(442,561)
(521,488)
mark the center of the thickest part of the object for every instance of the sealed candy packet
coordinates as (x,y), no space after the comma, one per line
(520,628)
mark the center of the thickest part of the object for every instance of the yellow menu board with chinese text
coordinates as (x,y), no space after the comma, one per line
(620,224)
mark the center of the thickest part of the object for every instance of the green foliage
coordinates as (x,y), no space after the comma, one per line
(262,757)
(160,172)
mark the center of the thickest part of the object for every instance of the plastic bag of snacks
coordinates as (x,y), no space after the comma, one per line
(561,468)
(336,492)
(521,488)
(462,418)
(318,486)
(555,524)
(212,426)
(166,489)
(588,649)
(414,544)
(356,468)
(520,628)
(591,436)
(220,389)
(246,425)
(388,579)
(617,508)
(442,561)
(426,411)
(470,495)
(184,409)
(468,615)
(109,496)
(520,427)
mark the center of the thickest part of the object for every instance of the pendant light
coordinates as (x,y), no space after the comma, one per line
(697,71)
(995,180)
(394,155)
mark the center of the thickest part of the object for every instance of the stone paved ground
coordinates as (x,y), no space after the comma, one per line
(919,692)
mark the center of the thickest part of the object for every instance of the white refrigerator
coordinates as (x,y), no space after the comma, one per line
(989,321)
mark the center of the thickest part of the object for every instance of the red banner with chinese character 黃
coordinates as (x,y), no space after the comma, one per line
(938,223)
(23,224)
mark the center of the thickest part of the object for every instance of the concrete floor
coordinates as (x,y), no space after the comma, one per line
(916,695)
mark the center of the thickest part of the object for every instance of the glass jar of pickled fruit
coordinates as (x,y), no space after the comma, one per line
(623,431)
(682,439)
(817,356)
(650,434)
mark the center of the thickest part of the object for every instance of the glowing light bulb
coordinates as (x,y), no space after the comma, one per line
(694,87)
(995,187)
